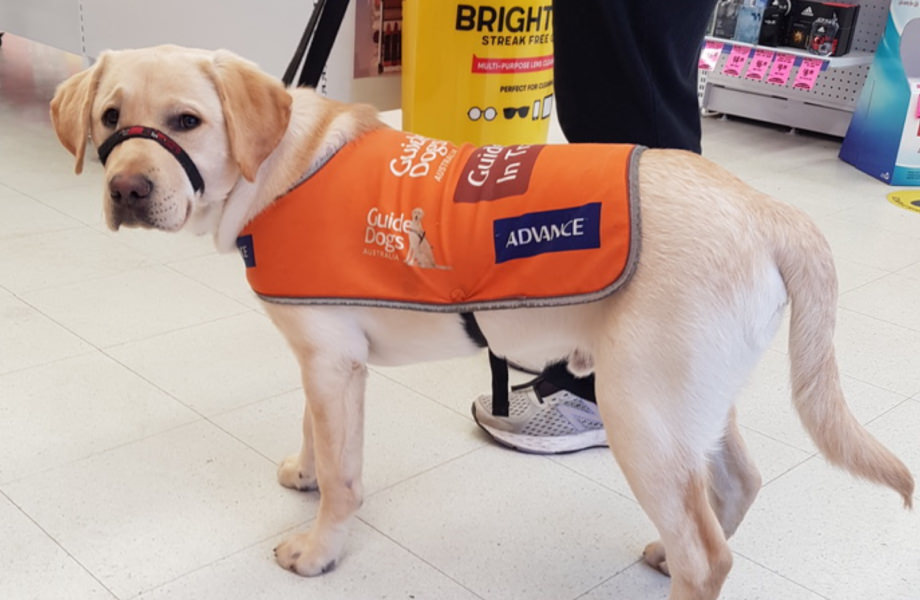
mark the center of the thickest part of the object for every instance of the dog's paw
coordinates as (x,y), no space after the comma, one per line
(292,474)
(303,555)
(654,555)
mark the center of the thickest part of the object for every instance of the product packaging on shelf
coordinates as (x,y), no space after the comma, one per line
(750,16)
(726,18)
(775,19)
(884,135)
(478,72)
(824,28)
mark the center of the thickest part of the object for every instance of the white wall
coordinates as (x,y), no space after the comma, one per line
(264,31)
(52,22)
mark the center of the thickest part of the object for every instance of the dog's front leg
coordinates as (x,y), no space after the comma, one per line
(335,412)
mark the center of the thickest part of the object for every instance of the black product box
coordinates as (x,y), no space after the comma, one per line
(726,18)
(809,19)
(775,19)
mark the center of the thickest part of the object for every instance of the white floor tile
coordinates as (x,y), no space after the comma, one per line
(30,338)
(57,258)
(222,273)
(851,275)
(134,305)
(82,202)
(36,568)
(774,148)
(746,581)
(878,352)
(810,196)
(162,247)
(597,464)
(405,433)
(35,171)
(21,215)
(61,412)
(512,528)
(913,271)
(162,507)
(453,383)
(224,364)
(880,215)
(373,567)
(853,241)
(892,298)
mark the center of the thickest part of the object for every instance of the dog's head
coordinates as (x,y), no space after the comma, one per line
(156,111)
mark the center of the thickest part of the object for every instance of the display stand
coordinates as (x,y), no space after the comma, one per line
(827,107)
(884,137)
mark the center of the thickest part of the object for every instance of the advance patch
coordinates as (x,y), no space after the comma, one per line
(560,230)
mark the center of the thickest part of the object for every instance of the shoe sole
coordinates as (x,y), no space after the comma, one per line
(531,444)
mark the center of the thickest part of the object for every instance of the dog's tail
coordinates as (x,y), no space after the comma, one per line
(806,264)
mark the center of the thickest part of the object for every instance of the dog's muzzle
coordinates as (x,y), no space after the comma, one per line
(161,138)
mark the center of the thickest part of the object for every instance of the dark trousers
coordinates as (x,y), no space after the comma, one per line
(626,70)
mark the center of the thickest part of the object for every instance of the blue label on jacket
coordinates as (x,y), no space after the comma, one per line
(244,244)
(549,231)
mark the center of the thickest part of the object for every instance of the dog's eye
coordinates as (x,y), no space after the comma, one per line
(187,122)
(110,117)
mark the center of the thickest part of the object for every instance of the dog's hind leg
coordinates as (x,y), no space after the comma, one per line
(652,433)
(734,478)
(733,486)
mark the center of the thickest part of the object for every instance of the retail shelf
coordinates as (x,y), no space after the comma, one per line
(850,59)
(781,110)
(826,107)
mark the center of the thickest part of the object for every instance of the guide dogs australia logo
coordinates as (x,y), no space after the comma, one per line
(536,233)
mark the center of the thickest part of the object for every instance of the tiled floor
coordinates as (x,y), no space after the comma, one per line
(145,400)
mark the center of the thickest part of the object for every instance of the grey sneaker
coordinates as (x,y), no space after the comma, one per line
(542,419)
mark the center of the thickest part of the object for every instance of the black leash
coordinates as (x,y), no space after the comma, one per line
(499,368)
(319,36)
(497,365)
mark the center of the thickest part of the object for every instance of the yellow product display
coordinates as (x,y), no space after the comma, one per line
(478,73)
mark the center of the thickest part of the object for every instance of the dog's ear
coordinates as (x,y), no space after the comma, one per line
(256,108)
(70,109)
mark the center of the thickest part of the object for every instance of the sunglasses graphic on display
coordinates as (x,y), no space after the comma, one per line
(521,112)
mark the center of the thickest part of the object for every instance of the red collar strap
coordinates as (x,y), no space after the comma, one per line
(164,140)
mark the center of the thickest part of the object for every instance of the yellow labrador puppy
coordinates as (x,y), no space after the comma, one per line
(204,141)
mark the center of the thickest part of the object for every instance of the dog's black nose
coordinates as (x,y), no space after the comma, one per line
(129,190)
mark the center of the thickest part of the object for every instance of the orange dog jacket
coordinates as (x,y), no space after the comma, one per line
(399,220)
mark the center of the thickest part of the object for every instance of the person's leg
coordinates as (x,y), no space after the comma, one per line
(625,72)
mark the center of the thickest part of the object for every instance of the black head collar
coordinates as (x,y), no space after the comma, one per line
(164,140)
